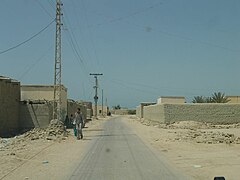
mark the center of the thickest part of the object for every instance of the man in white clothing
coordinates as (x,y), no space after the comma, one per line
(79,123)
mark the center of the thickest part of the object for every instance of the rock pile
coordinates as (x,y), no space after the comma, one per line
(55,131)
(199,132)
(208,137)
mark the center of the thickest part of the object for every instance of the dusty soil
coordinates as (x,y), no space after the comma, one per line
(50,153)
(200,150)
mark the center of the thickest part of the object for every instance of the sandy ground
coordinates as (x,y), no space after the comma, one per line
(198,149)
(41,159)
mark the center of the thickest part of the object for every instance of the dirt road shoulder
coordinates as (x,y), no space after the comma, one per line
(44,159)
(198,150)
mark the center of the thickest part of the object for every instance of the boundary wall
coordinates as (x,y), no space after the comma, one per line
(35,114)
(72,108)
(139,109)
(9,106)
(206,112)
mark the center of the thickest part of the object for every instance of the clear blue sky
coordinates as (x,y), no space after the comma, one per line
(144,48)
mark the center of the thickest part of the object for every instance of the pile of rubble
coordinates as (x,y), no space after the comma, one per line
(199,132)
(208,137)
(55,131)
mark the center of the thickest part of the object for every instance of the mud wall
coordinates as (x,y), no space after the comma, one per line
(154,113)
(9,106)
(212,113)
(35,115)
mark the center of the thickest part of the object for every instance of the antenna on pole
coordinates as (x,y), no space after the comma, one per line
(57,67)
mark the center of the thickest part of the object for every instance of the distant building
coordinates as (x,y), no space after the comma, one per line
(233,99)
(171,99)
(122,111)
(44,92)
(101,110)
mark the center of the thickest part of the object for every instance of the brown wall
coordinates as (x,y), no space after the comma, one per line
(35,114)
(9,106)
(72,108)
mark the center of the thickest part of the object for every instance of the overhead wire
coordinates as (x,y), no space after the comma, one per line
(75,49)
(186,38)
(51,4)
(112,20)
(80,28)
(170,34)
(136,86)
(71,38)
(90,33)
(27,40)
(29,68)
(45,10)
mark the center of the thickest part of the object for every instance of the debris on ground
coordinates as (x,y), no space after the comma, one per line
(54,131)
(198,132)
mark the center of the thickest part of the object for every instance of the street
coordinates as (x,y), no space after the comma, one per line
(117,153)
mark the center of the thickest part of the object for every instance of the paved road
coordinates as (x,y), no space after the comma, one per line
(116,153)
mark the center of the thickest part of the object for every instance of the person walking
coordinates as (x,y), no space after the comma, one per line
(79,123)
(73,125)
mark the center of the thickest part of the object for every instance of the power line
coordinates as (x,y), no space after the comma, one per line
(90,33)
(75,51)
(34,64)
(46,11)
(51,4)
(74,5)
(74,44)
(185,38)
(29,39)
(144,88)
(112,20)
(73,40)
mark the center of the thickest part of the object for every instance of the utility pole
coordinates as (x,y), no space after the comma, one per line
(102,102)
(96,90)
(58,67)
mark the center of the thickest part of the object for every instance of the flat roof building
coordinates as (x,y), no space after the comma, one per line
(44,92)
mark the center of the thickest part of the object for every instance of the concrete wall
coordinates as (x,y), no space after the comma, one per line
(44,92)
(99,110)
(120,111)
(89,108)
(72,108)
(9,106)
(154,113)
(211,112)
(35,114)
(171,99)
(234,99)
(138,111)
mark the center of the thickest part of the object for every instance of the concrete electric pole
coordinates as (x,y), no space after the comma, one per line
(58,67)
(96,91)
(102,102)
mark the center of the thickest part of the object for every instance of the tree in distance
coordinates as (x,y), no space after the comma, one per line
(219,98)
(117,107)
(216,98)
(198,99)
